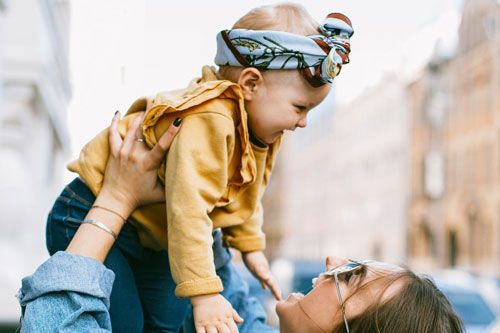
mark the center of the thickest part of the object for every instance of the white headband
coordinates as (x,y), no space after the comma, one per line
(319,56)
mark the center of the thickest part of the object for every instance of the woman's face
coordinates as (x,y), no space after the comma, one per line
(320,311)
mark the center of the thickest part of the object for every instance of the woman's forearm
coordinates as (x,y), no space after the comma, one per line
(93,242)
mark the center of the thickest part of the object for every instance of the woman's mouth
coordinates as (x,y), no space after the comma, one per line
(295,297)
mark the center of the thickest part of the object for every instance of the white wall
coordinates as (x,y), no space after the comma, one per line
(33,139)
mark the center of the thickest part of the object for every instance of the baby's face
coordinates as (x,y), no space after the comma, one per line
(282,103)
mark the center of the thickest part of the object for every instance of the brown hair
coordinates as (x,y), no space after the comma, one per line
(418,307)
(287,16)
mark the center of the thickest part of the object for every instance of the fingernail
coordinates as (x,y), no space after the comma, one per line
(117,113)
(177,122)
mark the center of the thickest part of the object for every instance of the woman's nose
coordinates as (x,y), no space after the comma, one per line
(332,262)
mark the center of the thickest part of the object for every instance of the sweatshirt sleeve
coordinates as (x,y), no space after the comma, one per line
(196,177)
(247,236)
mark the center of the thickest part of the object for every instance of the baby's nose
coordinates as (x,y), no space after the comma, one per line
(302,122)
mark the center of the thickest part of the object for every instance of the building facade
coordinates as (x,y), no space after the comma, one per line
(455,209)
(34,95)
(347,190)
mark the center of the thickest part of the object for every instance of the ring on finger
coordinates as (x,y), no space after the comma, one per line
(140,140)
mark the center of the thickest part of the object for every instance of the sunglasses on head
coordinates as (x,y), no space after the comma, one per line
(347,269)
(351,267)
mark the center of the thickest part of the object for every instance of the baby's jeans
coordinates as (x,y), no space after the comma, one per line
(142,298)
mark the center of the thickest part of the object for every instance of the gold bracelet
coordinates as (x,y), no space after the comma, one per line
(101,226)
(111,211)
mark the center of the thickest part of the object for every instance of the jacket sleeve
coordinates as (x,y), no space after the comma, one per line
(67,293)
(196,177)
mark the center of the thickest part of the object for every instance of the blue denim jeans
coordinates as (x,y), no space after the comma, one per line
(142,298)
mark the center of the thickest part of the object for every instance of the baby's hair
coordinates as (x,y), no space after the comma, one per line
(287,16)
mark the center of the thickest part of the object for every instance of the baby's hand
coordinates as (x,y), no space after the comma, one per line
(257,264)
(214,314)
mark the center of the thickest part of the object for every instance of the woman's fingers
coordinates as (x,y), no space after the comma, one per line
(131,136)
(115,140)
(161,147)
(138,130)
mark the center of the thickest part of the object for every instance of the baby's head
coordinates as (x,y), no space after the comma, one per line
(280,71)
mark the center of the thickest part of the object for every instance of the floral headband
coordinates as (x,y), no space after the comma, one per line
(319,57)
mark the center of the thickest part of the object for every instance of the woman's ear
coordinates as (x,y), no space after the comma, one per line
(250,81)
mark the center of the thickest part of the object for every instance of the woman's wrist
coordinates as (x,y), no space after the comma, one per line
(112,201)
(95,239)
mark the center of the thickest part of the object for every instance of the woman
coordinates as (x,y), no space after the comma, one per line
(368,297)
(71,290)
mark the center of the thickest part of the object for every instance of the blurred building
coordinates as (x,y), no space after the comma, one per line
(294,191)
(429,104)
(34,94)
(368,174)
(347,192)
(455,209)
(274,204)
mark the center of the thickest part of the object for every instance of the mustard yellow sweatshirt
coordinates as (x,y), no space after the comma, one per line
(214,177)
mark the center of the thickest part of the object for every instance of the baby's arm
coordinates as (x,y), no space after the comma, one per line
(195,179)
(248,238)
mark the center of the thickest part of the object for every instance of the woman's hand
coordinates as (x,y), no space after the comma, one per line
(131,176)
(130,180)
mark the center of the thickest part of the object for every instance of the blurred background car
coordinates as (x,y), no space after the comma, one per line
(494,327)
(472,298)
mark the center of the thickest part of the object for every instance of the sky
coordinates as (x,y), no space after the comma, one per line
(123,49)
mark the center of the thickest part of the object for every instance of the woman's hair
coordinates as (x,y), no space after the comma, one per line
(288,17)
(418,307)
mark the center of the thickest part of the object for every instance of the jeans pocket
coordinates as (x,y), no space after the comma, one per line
(62,223)
(48,233)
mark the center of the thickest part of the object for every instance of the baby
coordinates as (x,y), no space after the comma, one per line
(275,65)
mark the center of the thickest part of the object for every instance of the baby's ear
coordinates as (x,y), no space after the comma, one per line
(250,81)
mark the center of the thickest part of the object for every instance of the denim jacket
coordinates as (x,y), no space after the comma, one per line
(67,293)
(70,293)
